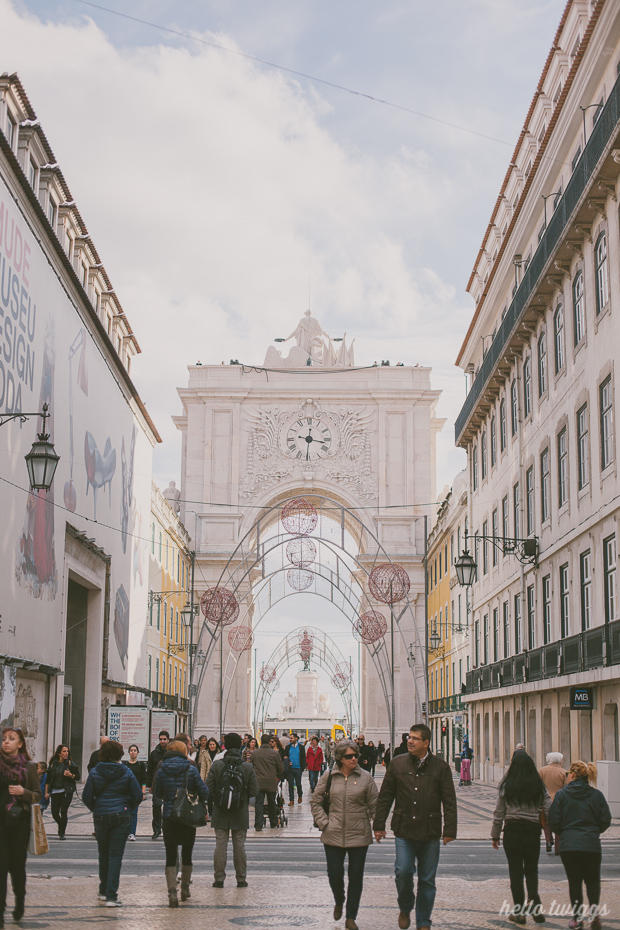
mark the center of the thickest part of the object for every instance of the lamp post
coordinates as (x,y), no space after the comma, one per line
(583,113)
(187,615)
(545,197)
(525,550)
(42,459)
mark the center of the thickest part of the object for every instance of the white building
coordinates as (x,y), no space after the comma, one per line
(538,422)
(73,573)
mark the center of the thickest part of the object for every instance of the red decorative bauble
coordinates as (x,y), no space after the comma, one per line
(389,583)
(299,517)
(299,579)
(370,627)
(267,674)
(301,551)
(219,605)
(240,638)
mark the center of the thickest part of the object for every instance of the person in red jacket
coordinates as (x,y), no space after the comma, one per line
(314,761)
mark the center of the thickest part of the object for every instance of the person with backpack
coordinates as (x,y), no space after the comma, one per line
(231,783)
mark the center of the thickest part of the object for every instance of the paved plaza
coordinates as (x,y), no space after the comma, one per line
(287,879)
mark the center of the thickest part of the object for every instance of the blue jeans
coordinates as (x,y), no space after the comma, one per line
(294,778)
(335,856)
(111,831)
(427,854)
(313,777)
(133,826)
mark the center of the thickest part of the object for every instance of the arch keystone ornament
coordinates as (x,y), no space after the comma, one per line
(219,606)
(299,517)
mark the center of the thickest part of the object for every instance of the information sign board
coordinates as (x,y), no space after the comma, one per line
(162,720)
(129,725)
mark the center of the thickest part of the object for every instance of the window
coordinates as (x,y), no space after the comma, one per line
(506,624)
(485,548)
(609,569)
(149,666)
(32,174)
(502,425)
(477,643)
(585,577)
(495,531)
(514,408)
(474,467)
(11,128)
(527,387)
(545,486)
(158,615)
(529,500)
(600,261)
(579,319)
(165,621)
(562,467)
(564,602)
(517,623)
(156,688)
(546,606)
(516,513)
(492,431)
(445,558)
(531,618)
(486,639)
(583,468)
(150,608)
(558,338)
(495,634)
(51,212)
(483,454)
(542,363)
(505,526)
(575,160)
(607,424)
(163,675)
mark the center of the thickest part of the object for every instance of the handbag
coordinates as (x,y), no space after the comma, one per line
(187,808)
(327,794)
(37,843)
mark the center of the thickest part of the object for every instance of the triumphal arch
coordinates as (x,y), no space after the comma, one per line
(311,474)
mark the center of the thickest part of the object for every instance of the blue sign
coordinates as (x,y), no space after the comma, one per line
(581,698)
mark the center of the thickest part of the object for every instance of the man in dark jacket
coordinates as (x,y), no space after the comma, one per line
(155,758)
(403,749)
(268,768)
(226,821)
(296,755)
(94,756)
(419,785)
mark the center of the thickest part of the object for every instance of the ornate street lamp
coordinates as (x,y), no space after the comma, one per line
(466,569)
(525,550)
(42,459)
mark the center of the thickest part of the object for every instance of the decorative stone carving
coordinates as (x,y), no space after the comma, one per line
(311,349)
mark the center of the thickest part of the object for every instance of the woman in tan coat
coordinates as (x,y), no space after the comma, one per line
(350,796)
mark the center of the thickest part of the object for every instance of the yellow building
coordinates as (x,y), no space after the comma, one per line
(448,627)
(168,640)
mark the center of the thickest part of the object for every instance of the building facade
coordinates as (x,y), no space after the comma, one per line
(73,573)
(538,423)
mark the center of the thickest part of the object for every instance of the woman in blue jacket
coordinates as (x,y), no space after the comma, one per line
(111,793)
(176,771)
(580,814)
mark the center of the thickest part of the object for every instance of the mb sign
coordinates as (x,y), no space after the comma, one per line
(581,699)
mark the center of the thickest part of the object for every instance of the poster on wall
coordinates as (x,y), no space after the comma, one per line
(129,725)
(8,677)
(162,720)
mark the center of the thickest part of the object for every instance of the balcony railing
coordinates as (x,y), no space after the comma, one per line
(602,132)
(590,649)
(446,704)
(163,701)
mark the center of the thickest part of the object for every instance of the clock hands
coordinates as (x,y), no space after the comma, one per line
(308,439)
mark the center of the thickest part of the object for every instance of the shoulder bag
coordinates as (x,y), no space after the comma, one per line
(187,808)
(327,793)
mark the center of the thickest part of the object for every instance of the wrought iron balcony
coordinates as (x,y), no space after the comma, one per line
(606,127)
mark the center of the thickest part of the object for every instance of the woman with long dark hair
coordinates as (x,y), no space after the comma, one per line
(138,770)
(522,798)
(62,775)
(579,814)
(19,788)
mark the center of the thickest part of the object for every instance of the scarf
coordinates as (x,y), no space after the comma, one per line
(14,769)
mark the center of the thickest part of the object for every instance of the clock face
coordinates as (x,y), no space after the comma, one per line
(308,439)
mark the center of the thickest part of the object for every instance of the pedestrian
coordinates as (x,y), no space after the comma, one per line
(314,762)
(284,740)
(94,756)
(402,750)
(42,773)
(380,751)
(296,755)
(579,814)
(554,778)
(232,782)
(368,756)
(204,757)
(522,797)
(268,768)
(155,757)
(191,755)
(466,757)
(62,776)
(112,793)
(374,756)
(251,747)
(419,785)
(176,772)
(138,770)
(19,788)
(345,825)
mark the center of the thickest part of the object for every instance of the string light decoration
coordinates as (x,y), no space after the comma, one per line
(342,675)
(299,517)
(299,579)
(301,551)
(219,606)
(240,638)
(306,642)
(389,583)
(370,627)
(267,674)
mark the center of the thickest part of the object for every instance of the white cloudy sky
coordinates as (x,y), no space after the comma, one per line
(216,188)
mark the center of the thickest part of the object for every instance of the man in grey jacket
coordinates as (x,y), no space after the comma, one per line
(230,813)
(268,768)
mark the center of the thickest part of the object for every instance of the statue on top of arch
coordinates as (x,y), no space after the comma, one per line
(315,348)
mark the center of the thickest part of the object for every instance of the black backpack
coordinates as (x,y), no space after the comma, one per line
(230,794)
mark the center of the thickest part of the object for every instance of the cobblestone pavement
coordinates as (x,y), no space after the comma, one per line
(283,899)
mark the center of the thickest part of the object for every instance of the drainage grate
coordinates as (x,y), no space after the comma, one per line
(294,920)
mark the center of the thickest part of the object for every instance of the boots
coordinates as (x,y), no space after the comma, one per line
(171,882)
(186,877)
